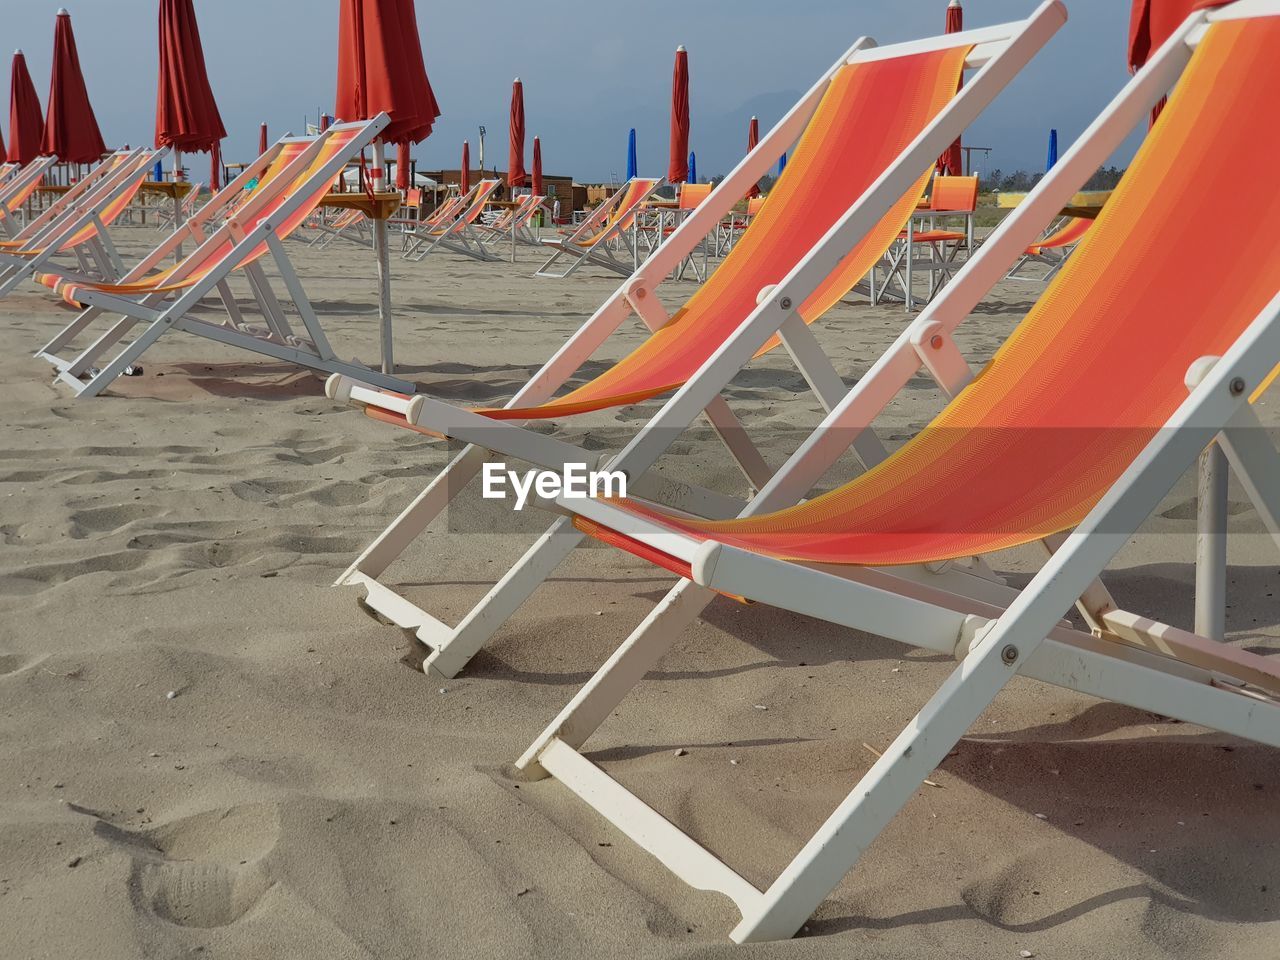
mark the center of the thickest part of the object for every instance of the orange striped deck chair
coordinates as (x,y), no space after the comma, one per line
(606,236)
(459,234)
(868,133)
(1052,250)
(1127,367)
(515,224)
(292,178)
(17,189)
(76,224)
(349,225)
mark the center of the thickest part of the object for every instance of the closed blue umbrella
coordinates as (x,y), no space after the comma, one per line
(782,164)
(1053,151)
(158,173)
(633,168)
(693,167)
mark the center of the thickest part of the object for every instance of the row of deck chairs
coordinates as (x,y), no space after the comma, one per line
(1107,392)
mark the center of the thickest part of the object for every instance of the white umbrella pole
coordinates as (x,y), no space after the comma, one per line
(384,263)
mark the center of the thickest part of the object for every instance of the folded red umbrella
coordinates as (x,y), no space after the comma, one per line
(403,164)
(70,129)
(753,140)
(262,139)
(215,166)
(187,116)
(951,163)
(464,180)
(26,118)
(1152,21)
(536,176)
(381,70)
(678,167)
(517,176)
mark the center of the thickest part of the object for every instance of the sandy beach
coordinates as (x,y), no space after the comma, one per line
(209,751)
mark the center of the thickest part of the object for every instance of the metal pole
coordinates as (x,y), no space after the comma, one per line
(1211,544)
(384,264)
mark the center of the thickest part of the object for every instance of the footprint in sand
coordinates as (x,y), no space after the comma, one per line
(207,870)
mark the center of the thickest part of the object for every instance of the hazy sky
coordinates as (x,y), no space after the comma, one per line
(591,69)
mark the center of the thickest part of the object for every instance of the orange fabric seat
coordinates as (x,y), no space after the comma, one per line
(1069,233)
(624,214)
(1096,367)
(833,165)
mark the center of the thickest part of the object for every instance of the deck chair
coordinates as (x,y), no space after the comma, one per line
(295,178)
(1109,390)
(63,203)
(508,226)
(17,189)
(458,235)
(441,215)
(349,225)
(82,229)
(1053,249)
(931,249)
(842,200)
(606,234)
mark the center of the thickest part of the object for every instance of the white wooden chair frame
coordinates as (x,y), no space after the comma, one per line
(998,54)
(993,631)
(601,252)
(97,257)
(13,185)
(160,313)
(459,235)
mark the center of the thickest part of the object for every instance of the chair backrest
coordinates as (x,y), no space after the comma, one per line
(833,165)
(955,194)
(1098,366)
(124,186)
(484,192)
(755,205)
(692,194)
(1069,233)
(413,198)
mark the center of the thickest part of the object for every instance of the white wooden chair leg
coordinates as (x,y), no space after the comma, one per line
(639,654)
(880,794)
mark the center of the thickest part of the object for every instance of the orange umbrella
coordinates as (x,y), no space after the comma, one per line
(215,166)
(678,166)
(70,129)
(1150,24)
(516,174)
(187,116)
(381,70)
(403,162)
(536,186)
(26,119)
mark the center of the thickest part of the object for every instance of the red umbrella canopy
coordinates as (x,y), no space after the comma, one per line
(70,129)
(517,176)
(678,166)
(464,181)
(262,139)
(381,70)
(753,139)
(187,116)
(536,185)
(26,118)
(951,163)
(1152,21)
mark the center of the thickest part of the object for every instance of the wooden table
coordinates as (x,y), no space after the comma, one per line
(383,206)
